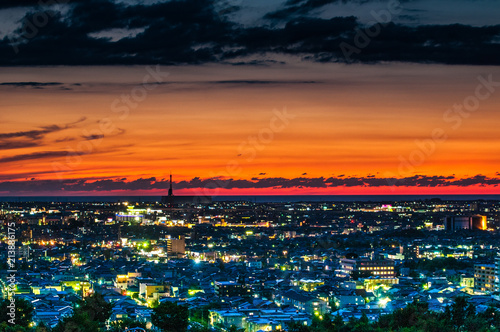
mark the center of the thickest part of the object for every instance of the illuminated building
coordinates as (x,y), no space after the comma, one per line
(497,272)
(131,215)
(484,277)
(373,283)
(124,281)
(27,235)
(365,267)
(227,318)
(176,246)
(349,299)
(476,222)
(466,281)
(23,251)
(254,320)
(303,302)
(310,285)
(150,291)
(230,289)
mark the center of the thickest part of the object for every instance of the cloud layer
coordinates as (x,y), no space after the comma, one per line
(144,184)
(31,138)
(100,32)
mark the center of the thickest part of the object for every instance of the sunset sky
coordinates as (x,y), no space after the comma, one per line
(249,97)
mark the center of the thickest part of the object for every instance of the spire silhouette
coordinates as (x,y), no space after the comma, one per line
(170,192)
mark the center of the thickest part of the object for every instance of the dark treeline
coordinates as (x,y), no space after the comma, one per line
(91,314)
(416,317)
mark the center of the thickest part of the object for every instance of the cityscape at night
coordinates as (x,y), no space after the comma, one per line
(249,166)
(255,266)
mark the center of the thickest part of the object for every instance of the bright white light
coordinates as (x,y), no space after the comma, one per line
(383,302)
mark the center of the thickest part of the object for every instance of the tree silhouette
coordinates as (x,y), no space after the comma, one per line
(89,315)
(170,317)
(23,311)
(461,316)
(461,310)
(126,323)
(78,322)
(42,328)
(297,327)
(491,316)
(96,307)
(233,328)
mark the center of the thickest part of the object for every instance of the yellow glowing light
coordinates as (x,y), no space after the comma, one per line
(383,302)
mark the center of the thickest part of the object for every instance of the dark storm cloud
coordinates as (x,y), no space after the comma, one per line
(264,63)
(32,138)
(477,180)
(303,7)
(30,3)
(119,131)
(51,155)
(40,133)
(18,3)
(175,32)
(26,175)
(103,185)
(31,84)
(92,137)
(6,145)
(194,32)
(321,182)
(33,156)
(65,139)
(258,82)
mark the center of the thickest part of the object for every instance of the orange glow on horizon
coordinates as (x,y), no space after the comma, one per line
(362,121)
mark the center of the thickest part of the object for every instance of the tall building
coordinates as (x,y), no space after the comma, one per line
(170,191)
(497,272)
(364,267)
(476,222)
(176,246)
(484,277)
(230,289)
